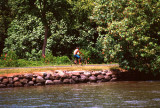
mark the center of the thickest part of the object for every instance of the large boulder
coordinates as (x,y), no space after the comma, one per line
(76,73)
(15,79)
(30,83)
(34,79)
(10,80)
(87,74)
(100,77)
(96,73)
(2,85)
(107,78)
(92,78)
(83,78)
(61,73)
(49,82)
(44,74)
(75,78)
(24,81)
(109,73)
(113,79)
(72,81)
(28,76)
(5,81)
(66,81)
(56,76)
(10,85)
(1,78)
(18,84)
(57,82)
(40,79)
(47,77)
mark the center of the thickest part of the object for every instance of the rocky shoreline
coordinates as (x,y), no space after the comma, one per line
(70,77)
(57,77)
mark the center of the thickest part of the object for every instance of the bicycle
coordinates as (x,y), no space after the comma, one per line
(76,61)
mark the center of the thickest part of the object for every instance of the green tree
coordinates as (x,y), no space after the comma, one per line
(25,37)
(46,10)
(131,32)
(5,19)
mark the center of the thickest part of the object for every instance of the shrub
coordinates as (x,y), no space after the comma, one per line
(62,60)
(10,59)
(131,33)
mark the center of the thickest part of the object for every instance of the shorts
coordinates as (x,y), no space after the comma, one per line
(77,56)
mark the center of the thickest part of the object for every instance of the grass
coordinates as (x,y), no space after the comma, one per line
(43,69)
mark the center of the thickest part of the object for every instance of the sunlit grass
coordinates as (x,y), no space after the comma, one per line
(53,68)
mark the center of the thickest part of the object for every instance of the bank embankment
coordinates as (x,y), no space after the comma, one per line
(72,77)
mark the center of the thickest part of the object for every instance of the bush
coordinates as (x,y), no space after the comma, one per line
(62,60)
(9,59)
(131,33)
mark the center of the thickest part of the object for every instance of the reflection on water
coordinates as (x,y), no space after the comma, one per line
(95,95)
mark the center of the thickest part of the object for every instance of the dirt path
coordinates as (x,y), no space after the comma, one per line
(60,66)
(22,70)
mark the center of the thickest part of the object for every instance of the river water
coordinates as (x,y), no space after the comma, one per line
(122,94)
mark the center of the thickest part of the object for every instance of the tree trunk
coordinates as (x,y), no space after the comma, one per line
(45,40)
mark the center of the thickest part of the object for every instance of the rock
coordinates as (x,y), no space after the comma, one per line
(106,71)
(87,74)
(38,84)
(99,81)
(56,76)
(2,85)
(10,80)
(96,73)
(99,77)
(103,73)
(34,79)
(24,81)
(92,78)
(18,84)
(109,73)
(15,75)
(26,85)
(58,71)
(107,78)
(1,78)
(49,82)
(61,73)
(72,81)
(75,73)
(114,76)
(66,81)
(57,82)
(5,81)
(28,76)
(83,78)
(64,76)
(75,78)
(52,77)
(30,83)
(40,79)
(15,79)
(10,85)
(113,79)
(47,77)
(44,74)
(20,76)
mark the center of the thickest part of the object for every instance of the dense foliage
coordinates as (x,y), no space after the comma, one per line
(5,19)
(47,31)
(131,32)
(65,32)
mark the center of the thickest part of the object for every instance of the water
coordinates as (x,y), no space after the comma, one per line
(121,94)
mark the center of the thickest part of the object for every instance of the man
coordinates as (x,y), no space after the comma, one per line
(76,55)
